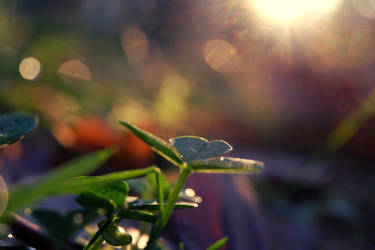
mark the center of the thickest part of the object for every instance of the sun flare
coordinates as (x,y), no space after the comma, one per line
(287,10)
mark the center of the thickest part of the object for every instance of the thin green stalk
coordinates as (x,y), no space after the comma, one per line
(97,240)
(160,190)
(172,198)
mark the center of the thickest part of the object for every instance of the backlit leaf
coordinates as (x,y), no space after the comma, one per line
(195,148)
(226,165)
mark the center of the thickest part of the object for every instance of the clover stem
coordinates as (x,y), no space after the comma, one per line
(97,240)
(172,198)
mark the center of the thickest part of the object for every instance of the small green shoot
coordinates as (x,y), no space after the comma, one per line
(218,244)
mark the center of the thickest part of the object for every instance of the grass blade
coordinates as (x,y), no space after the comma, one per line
(218,244)
(24,195)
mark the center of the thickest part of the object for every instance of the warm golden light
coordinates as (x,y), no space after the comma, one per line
(29,68)
(288,10)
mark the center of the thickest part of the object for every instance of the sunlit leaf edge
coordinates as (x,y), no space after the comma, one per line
(158,145)
(228,165)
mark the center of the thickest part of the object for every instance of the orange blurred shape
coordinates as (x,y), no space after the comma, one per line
(92,133)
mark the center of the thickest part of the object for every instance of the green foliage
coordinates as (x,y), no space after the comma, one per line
(23,195)
(14,126)
(109,192)
(191,154)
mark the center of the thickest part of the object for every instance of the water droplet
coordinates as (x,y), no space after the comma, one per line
(190,192)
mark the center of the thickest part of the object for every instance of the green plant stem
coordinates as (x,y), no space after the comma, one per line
(97,240)
(160,189)
(172,198)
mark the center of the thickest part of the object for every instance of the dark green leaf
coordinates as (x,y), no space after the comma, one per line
(195,148)
(226,165)
(51,221)
(158,145)
(88,200)
(137,215)
(115,235)
(23,195)
(141,204)
(14,126)
(218,244)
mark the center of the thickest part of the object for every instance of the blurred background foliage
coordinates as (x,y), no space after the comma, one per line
(281,90)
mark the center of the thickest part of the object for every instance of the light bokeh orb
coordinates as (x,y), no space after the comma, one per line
(221,56)
(76,69)
(287,10)
(135,44)
(29,68)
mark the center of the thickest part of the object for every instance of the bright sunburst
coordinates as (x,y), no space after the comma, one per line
(287,10)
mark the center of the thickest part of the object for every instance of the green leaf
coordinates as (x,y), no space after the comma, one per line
(158,145)
(195,148)
(226,165)
(14,126)
(115,235)
(82,184)
(137,215)
(88,200)
(116,192)
(218,244)
(23,195)
(141,204)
